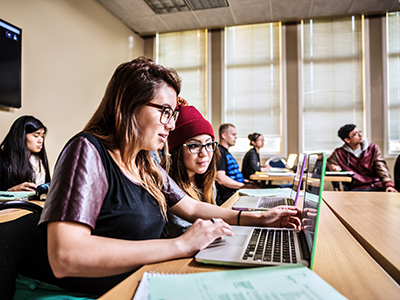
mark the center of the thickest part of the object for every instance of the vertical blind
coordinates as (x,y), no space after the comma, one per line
(186,52)
(332,80)
(253,84)
(393,80)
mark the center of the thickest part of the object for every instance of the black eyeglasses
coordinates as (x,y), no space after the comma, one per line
(196,148)
(167,113)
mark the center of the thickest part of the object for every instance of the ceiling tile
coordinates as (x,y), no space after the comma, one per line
(215,17)
(247,13)
(361,6)
(289,9)
(127,8)
(330,8)
(147,25)
(180,21)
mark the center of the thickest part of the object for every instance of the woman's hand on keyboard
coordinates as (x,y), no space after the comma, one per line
(282,216)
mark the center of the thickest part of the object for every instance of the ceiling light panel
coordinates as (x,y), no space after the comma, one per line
(205,4)
(173,6)
(167,6)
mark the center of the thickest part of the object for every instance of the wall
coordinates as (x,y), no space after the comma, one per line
(70,48)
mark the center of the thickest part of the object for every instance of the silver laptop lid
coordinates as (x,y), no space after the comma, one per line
(314,186)
(298,177)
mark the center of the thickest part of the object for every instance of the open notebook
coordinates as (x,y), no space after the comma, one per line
(251,246)
(264,203)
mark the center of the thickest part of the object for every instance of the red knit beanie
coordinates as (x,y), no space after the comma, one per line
(190,123)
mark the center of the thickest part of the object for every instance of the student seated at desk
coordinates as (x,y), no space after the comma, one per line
(192,162)
(229,177)
(251,161)
(106,208)
(23,159)
(363,158)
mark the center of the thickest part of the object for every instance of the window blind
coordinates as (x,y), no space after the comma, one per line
(186,52)
(332,80)
(253,101)
(393,82)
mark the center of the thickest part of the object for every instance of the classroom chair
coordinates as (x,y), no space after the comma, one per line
(18,237)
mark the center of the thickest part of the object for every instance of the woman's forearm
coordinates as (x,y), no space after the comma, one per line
(73,251)
(193,210)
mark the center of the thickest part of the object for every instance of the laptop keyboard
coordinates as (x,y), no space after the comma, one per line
(271,245)
(269,202)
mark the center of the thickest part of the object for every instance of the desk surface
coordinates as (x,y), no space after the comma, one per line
(289,177)
(340,260)
(373,219)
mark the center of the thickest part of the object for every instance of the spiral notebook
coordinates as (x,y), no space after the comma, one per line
(281,282)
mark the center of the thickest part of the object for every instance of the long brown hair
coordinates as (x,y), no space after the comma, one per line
(204,182)
(115,123)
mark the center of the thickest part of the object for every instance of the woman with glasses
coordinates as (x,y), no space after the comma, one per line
(193,156)
(109,197)
(251,161)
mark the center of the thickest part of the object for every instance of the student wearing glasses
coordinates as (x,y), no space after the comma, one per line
(363,158)
(107,205)
(194,154)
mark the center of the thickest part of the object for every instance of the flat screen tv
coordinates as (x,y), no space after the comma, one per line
(10,65)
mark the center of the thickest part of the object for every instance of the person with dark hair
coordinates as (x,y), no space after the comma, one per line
(251,161)
(194,153)
(229,177)
(107,205)
(396,173)
(23,159)
(363,158)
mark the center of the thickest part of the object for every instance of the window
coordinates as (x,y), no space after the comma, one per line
(186,53)
(253,84)
(393,82)
(332,88)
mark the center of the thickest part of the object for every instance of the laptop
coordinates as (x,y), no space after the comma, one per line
(258,246)
(289,165)
(264,203)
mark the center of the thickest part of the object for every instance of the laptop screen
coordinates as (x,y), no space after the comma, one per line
(291,160)
(294,193)
(315,171)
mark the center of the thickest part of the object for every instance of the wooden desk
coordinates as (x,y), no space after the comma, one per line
(340,260)
(13,213)
(277,177)
(373,218)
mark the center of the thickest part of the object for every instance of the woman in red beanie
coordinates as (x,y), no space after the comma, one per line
(194,154)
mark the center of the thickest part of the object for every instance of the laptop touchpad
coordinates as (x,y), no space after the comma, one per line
(237,240)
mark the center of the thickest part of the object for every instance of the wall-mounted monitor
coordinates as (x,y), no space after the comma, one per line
(10,65)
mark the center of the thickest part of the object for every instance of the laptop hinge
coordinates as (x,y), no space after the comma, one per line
(306,255)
